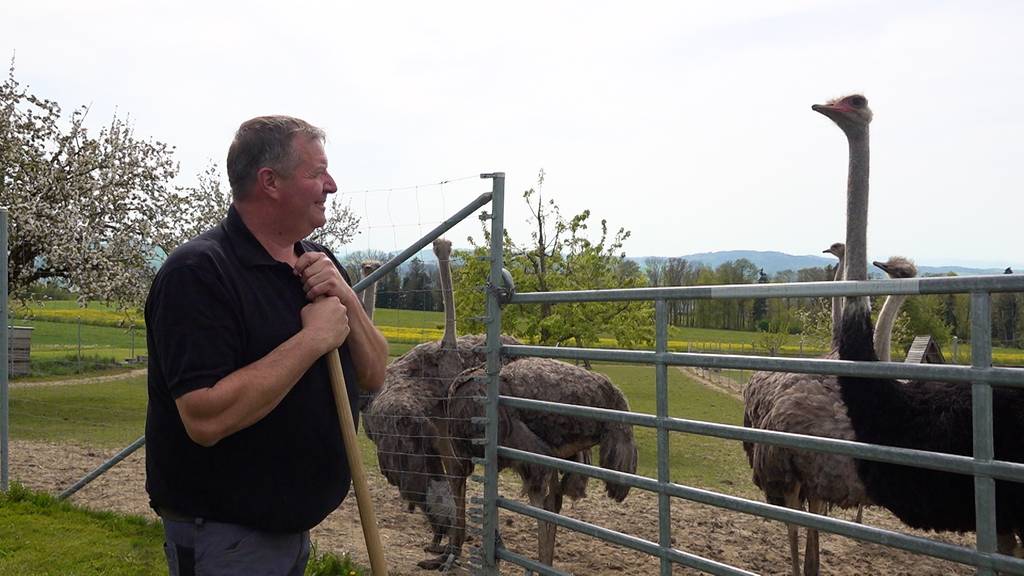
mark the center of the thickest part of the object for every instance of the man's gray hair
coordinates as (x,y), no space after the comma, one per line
(265,142)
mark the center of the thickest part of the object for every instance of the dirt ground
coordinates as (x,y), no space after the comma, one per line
(740,540)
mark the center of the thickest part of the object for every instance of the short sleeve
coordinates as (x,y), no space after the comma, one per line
(196,329)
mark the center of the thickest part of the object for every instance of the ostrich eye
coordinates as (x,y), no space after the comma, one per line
(858,101)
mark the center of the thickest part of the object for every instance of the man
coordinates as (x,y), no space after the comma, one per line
(244,452)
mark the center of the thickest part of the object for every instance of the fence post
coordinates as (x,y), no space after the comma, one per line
(490,504)
(984,450)
(661,393)
(4,373)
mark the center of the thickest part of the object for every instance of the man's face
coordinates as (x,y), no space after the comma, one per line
(305,190)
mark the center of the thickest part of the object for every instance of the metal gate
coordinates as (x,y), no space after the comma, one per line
(981,376)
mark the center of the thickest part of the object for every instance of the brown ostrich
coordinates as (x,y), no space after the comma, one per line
(406,420)
(544,433)
(549,434)
(811,405)
(923,415)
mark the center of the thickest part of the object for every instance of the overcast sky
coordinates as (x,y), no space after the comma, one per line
(688,124)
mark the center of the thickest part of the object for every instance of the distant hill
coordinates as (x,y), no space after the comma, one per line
(772,261)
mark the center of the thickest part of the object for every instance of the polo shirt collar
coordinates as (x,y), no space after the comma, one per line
(249,250)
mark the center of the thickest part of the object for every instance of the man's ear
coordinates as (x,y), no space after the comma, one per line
(267,181)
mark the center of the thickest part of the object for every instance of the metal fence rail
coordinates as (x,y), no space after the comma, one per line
(980,375)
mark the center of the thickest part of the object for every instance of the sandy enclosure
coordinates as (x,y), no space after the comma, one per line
(741,540)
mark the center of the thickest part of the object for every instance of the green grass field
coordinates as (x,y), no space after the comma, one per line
(113,414)
(693,459)
(55,338)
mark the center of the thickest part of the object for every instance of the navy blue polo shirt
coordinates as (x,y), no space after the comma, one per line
(221,302)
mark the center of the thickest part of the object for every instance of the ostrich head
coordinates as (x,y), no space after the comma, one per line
(443,249)
(838,250)
(898,267)
(851,113)
(369,267)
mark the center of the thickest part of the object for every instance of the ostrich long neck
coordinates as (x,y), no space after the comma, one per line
(856,342)
(447,295)
(370,299)
(883,328)
(837,306)
(857,212)
(369,295)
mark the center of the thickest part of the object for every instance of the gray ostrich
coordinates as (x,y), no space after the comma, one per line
(811,405)
(923,415)
(369,296)
(544,433)
(406,420)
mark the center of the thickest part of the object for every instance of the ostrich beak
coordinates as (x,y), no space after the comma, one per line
(831,111)
(882,265)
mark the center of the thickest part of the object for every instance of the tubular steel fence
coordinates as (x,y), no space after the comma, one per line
(981,375)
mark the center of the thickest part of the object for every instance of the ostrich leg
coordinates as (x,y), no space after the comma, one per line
(458,470)
(811,564)
(552,502)
(793,501)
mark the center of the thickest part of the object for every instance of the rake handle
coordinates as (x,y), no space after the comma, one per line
(355,465)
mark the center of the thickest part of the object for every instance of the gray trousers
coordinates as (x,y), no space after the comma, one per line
(200,548)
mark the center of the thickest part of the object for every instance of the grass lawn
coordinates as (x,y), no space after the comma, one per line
(102,414)
(693,459)
(96,543)
(41,535)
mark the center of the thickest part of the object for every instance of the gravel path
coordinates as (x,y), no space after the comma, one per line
(73,381)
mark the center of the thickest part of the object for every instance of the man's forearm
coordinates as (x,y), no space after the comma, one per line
(245,396)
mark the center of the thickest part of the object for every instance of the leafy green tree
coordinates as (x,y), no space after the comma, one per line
(418,287)
(559,256)
(923,316)
(680,272)
(655,270)
(760,304)
(389,291)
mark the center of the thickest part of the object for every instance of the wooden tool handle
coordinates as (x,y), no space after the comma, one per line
(355,466)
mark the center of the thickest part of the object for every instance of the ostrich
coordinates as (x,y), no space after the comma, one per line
(923,415)
(810,405)
(838,249)
(895,267)
(542,433)
(369,296)
(406,420)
